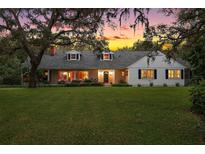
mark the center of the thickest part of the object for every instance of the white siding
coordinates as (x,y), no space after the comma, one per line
(160,64)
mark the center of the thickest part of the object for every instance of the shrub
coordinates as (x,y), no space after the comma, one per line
(88,81)
(151,84)
(85,84)
(82,84)
(198,98)
(61,82)
(139,85)
(164,85)
(96,84)
(177,84)
(12,80)
(121,85)
(122,81)
(76,81)
(72,84)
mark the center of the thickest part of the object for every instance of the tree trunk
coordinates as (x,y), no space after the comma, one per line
(33,77)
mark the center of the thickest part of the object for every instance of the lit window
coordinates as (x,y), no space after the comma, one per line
(123,73)
(147,74)
(82,75)
(174,74)
(106,56)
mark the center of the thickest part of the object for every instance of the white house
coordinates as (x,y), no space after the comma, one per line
(131,67)
(159,71)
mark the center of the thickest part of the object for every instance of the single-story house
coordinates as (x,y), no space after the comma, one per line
(131,67)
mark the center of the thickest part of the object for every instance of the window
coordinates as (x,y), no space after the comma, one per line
(106,56)
(147,74)
(73,56)
(174,74)
(82,75)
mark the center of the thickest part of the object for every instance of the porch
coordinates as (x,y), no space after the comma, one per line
(105,76)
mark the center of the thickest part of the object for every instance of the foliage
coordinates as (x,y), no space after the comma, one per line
(177,84)
(82,84)
(195,55)
(198,98)
(10,70)
(121,85)
(145,46)
(188,28)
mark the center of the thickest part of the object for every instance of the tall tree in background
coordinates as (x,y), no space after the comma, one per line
(145,46)
(186,35)
(33,31)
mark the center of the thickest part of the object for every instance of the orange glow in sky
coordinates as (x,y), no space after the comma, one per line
(124,36)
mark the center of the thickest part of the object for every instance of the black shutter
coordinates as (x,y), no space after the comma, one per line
(110,56)
(101,56)
(182,74)
(77,56)
(155,74)
(68,57)
(166,74)
(139,74)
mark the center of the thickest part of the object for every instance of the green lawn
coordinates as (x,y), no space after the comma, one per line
(97,115)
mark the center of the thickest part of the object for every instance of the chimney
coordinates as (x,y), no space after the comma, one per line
(52,51)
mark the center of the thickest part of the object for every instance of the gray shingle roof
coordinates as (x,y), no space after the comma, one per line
(89,60)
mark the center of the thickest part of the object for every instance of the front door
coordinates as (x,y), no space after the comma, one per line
(106,76)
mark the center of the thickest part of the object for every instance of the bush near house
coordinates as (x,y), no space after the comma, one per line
(121,85)
(79,83)
(198,98)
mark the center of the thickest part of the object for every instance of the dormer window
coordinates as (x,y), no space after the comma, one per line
(73,55)
(107,56)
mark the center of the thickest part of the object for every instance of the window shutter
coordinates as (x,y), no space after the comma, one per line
(139,74)
(182,74)
(166,74)
(77,56)
(68,56)
(155,74)
(101,56)
(110,56)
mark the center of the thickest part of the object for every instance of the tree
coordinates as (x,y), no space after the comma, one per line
(33,31)
(188,28)
(145,46)
(10,70)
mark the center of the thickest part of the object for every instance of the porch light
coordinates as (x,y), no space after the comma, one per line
(100,73)
(65,73)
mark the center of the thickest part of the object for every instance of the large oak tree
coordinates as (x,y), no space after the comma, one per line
(33,31)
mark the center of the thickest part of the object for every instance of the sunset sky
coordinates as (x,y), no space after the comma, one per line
(124,36)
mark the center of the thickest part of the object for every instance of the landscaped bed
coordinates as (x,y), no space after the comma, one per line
(97,115)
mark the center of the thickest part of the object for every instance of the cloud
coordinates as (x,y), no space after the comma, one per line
(124,27)
(121,37)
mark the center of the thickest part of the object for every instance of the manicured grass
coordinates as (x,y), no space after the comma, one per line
(97,115)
